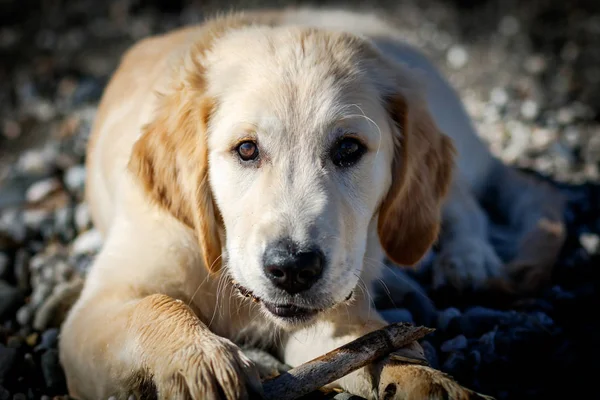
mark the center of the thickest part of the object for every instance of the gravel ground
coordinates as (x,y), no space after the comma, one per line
(529,73)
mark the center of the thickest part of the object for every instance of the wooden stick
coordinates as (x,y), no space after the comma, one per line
(325,369)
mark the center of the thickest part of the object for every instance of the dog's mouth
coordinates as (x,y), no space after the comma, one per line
(289,312)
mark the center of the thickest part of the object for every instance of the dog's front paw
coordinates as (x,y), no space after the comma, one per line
(212,368)
(466,263)
(400,381)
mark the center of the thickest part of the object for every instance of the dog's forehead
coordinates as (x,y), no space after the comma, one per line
(291,80)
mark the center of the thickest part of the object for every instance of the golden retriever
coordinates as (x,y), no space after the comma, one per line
(249,175)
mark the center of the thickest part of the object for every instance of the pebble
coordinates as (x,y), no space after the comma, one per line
(535,64)
(40,294)
(445,317)
(49,340)
(10,299)
(457,343)
(21,269)
(266,363)
(52,371)
(457,57)
(509,25)
(498,96)
(82,217)
(74,178)
(87,242)
(12,225)
(4,265)
(430,354)
(590,241)
(24,315)
(35,218)
(8,357)
(41,189)
(529,109)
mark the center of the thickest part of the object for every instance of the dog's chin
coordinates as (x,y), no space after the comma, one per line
(285,314)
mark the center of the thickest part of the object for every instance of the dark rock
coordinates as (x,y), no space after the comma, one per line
(444,318)
(454,364)
(52,371)
(457,343)
(19,396)
(4,394)
(398,290)
(49,340)
(22,270)
(4,265)
(11,299)
(8,359)
(430,354)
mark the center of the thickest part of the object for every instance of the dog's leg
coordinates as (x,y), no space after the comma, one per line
(402,375)
(123,338)
(466,258)
(533,210)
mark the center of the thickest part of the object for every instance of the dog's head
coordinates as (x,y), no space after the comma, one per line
(288,150)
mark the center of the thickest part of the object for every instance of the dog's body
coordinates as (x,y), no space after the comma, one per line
(160,306)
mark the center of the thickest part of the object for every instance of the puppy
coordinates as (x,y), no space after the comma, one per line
(249,176)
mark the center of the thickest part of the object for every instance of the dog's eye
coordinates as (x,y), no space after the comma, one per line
(347,152)
(247,151)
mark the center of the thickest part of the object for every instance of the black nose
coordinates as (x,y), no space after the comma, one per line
(292,270)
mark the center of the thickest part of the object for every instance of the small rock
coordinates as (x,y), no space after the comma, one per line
(529,109)
(430,354)
(266,364)
(535,64)
(4,394)
(87,242)
(19,396)
(52,371)
(41,189)
(49,340)
(11,129)
(24,315)
(457,343)
(74,178)
(509,25)
(12,225)
(62,271)
(35,218)
(8,357)
(397,315)
(40,294)
(477,320)
(21,268)
(445,316)
(498,96)
(63,218)
(454,363)
(457,56)
(34,161)
(82,217)
(590,242)
(4,265)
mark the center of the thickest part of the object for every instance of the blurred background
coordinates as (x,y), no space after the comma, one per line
(528,72)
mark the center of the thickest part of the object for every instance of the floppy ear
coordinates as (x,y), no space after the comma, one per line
(410,215)
(170,160)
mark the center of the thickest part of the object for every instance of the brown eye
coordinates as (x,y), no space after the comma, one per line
(247,151)
(347,152)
